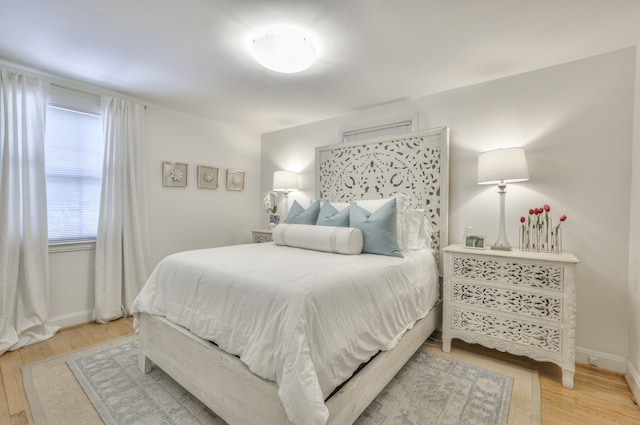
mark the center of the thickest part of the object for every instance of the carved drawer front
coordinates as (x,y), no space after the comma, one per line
(532,305)
(522,274)
(510,330)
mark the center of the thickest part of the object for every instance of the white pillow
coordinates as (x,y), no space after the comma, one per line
(417,230)
(338,205)
(340,240)
(402,204)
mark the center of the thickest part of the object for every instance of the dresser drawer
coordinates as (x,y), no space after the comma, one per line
(539,306)
(531,275)
(521,332)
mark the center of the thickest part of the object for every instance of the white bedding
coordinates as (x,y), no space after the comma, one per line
(305,319)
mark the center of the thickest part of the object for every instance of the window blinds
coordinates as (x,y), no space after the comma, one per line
(73,164)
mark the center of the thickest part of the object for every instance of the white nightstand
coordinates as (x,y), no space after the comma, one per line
(520,302)
(261,236)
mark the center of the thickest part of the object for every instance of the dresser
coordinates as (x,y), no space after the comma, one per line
(520,302)
(261,236)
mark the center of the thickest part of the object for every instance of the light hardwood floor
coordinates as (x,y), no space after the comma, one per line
(599,398)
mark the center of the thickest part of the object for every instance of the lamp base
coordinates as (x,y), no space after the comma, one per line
(501,248)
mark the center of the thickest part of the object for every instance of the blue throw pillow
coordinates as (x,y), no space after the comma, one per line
(298,215)
(330,216)
(378,228)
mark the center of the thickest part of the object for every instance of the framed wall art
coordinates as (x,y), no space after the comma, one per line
(235,179)
(207,177)
(174,174)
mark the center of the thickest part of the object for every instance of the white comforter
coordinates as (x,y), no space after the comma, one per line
(305,319)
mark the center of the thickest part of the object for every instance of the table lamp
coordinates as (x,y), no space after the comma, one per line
(502,166)
(285,181)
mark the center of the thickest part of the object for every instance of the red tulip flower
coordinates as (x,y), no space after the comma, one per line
(522,219)
(531,211)
(562,219)
(547,208)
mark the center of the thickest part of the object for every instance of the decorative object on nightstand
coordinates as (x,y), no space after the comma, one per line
(474,241)
(520,302)
(537,233)
(502,166)
(270,206)
(261,236)
(285,181)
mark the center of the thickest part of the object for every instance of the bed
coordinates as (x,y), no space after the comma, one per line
(228,323)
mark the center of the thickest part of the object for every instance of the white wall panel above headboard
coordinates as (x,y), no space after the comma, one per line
(416,164)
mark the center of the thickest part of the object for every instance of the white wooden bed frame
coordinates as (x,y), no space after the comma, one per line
(224,384)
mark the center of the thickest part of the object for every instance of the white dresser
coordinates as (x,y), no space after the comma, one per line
(520,302)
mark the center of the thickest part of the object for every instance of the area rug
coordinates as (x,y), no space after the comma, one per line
(102,384)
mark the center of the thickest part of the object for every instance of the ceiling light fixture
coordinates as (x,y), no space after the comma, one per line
(285,50)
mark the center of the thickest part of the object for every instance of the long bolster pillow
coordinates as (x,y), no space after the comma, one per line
(339,240)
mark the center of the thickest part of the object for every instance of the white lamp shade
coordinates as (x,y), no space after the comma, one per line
(285,181)
(502,165)
(285,50)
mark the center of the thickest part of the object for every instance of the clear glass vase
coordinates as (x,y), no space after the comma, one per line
(547,235)
(523,238)
(556,240)
(537,238)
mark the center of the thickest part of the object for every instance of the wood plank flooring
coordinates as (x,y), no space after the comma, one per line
(600,397)
(14,409)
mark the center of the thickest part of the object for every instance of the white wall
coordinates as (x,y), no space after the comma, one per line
(575,122)
(633,365)
(191,218)
(179,218)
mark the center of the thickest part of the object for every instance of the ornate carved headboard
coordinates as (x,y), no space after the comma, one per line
(416,164)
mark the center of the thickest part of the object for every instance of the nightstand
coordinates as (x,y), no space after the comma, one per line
(261,236)
(520,302)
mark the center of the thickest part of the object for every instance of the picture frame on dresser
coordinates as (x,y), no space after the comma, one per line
(520,302)
(474,242)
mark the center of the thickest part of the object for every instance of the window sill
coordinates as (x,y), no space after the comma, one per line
(72,246)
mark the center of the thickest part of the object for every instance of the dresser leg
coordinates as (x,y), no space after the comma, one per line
(446,345)
(567,378)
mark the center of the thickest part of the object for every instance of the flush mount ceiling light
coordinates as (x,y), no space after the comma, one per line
(285,50)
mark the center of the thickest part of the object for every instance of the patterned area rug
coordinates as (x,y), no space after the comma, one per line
(430,389)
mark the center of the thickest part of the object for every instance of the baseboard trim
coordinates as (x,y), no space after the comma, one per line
(633,379)
(604,360)
(72,319)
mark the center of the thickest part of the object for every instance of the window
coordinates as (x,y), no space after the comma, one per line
(74,150)
(397,127)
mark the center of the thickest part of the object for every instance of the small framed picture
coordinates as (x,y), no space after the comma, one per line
(235,179)
(207,177)
(174,174)
(474,242)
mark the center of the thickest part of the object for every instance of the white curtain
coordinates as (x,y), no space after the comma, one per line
(122,247)
(24,246)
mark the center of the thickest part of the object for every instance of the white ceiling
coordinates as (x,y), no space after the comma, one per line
(191,55)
